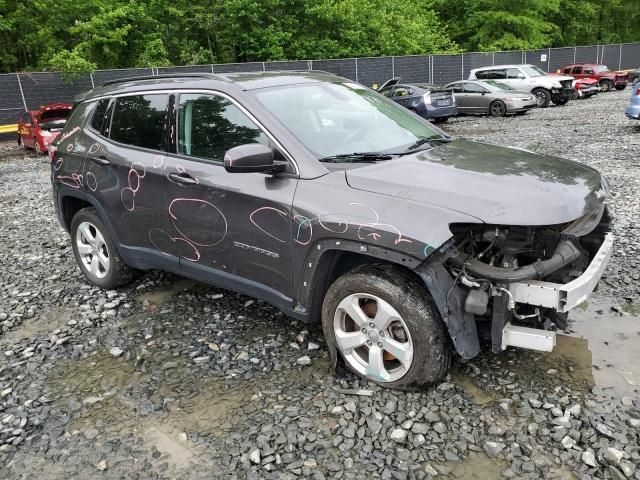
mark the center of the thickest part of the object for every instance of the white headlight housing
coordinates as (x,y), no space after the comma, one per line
(426,98)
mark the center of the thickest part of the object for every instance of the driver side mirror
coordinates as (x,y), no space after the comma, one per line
(521,76)
(252,157)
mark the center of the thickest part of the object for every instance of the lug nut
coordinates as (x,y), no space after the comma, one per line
(372,325)
(381,333)
(364,330)
(369,342)
(380,344)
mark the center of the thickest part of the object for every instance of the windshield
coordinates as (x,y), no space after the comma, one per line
(340,118)
(533,71)
(57,113)
(601,68)
(494,85)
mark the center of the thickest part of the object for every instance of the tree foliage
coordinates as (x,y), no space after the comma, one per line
(79,36)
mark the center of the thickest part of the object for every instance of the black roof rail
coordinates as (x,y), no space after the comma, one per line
(162,76)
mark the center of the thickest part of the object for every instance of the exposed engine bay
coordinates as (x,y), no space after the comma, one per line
(509,274)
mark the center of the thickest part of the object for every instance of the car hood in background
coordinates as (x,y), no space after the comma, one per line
(497,185)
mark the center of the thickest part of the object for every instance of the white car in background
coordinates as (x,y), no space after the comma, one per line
(529,78)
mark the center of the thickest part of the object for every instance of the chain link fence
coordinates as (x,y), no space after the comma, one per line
(20,92)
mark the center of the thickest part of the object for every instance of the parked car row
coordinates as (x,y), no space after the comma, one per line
(500,90)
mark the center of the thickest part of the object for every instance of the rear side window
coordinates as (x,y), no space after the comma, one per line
(139,120)
(209,125)
(490,74)
(577,70)
(99,113)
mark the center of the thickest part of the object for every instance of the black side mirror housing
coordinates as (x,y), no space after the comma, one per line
(252,157)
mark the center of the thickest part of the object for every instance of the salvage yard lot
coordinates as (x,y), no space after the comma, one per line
(168,378)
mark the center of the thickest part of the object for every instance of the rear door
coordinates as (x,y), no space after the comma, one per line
(233,229)
(124,171)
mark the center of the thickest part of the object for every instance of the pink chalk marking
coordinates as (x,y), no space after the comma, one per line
(174,219)
(58,164)
(92,182)
(271,209)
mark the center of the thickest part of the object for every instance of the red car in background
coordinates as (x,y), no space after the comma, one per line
(38,128)
(607,80)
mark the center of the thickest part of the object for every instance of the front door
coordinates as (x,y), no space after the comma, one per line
(124,171)
(476,99)
(233,229)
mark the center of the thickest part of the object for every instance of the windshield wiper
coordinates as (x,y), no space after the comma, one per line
(358,157)
(431,140)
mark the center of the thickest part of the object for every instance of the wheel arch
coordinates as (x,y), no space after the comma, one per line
(331,261)
(71,201)
(328,259)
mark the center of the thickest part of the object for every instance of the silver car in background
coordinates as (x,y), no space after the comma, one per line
(490,96)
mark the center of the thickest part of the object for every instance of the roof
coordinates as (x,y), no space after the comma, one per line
(242,81)
(513,65)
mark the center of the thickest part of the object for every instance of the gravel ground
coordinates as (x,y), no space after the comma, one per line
(168,378)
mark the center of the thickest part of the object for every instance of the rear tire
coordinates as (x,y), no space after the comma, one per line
(543,97)
(605,85)
(497,108)
(561,101)
(95,252)
(440,120)
(36,146)
(386,328)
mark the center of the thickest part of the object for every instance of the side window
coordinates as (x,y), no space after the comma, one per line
(402,91)
(473,88)
(513,73)
(567,71)
(99,114)
(139,121)
(577,70)
(455,88)
(209,125)
(491,74)
(588,71)
(387,92)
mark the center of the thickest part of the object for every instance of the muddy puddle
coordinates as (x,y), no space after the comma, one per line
(612,331)
(156,298)
(600,351)
(38,326)
(478,466)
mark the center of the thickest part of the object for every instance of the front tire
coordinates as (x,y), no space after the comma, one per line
(606,85)
(543,97)
(95,252)
(621,86)
(441,120)
(386,328)
(36,146)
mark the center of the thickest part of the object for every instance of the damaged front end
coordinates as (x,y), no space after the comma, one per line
(518,282)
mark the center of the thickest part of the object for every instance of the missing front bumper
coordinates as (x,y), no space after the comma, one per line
(563,298)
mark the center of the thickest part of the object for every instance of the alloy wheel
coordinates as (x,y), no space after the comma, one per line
(92,250)
(373,338)
(497,109)
(541,98)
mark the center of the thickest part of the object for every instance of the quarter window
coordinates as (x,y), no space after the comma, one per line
(139,121)
(209,125)
(99,113)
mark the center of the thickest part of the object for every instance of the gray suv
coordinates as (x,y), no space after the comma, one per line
(335,204)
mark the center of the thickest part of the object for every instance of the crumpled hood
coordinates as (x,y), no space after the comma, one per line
(497,185)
